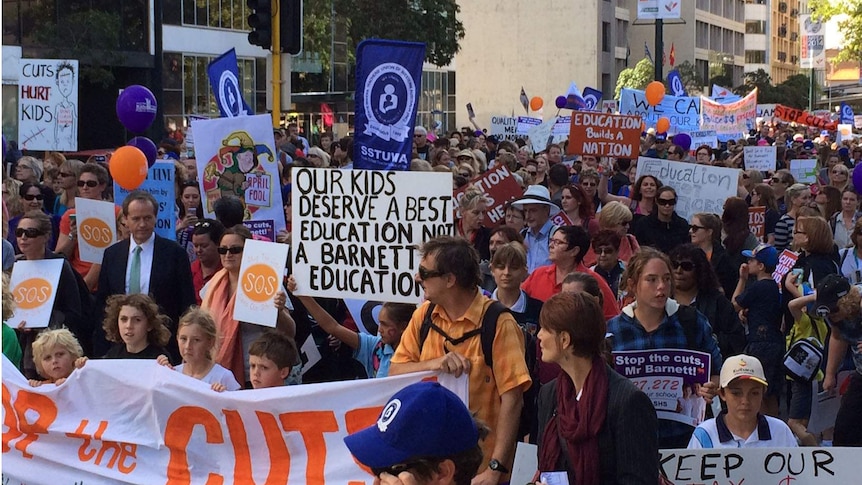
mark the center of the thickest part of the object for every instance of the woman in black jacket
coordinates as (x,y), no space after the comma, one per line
(705,230)
(663,229)
(818,256)
(695,284)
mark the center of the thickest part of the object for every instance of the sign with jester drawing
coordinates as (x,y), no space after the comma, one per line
(236,157)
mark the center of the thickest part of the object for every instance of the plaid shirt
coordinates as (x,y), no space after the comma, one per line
(630,335)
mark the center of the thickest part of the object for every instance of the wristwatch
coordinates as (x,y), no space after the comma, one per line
(497,466)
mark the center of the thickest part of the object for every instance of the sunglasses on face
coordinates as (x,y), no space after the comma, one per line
(32,197)
(588,184)
(695,227)
(89,183)
(425,273)
(233,250)
(30,232)
(666,201)
(603,251)
(683,265)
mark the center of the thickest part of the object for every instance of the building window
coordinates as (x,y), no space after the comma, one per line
(606,37)
(755,57)
(437,100)
(755,27)
(222,14)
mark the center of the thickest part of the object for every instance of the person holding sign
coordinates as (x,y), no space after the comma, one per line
(653,321)
(593,423)
(743,384)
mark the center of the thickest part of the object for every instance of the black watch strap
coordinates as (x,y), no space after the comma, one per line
(497,466)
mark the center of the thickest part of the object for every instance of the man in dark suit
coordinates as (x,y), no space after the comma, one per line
(146,263)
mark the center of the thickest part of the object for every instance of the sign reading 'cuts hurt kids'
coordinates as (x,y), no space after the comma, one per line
(604,135)
(34,288)
(260,276)
(97,228)
(355,231)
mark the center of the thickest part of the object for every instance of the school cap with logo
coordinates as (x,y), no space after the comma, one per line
(742,367)
(422,420)
(764,253)
(830,289)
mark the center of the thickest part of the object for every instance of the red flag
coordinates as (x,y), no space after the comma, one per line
(672,55)
(328,117)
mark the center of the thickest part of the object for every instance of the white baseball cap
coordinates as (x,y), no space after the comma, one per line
(742,367)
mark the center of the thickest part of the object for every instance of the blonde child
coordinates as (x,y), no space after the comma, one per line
(135,326)
(55,353)
(197,339)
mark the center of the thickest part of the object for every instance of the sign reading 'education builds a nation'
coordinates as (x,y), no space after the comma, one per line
(355,231)
(604,135)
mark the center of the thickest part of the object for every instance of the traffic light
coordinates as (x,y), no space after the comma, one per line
(290,21)
(260,22)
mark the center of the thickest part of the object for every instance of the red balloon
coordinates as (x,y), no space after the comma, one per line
(128,167)
(654,93)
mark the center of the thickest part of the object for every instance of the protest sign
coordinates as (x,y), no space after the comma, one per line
(757,222)
(804,171)
(825,405)
(34,288)
(499,186)
(236,156)
(786,262)
(504,127)
(365,313)
(97,228)
(263,229)
(766,111)
(760,158)
(525,124)
(354,231)
(160,184)
(542,135)
(610,106)
(260,276)
(561,219)
(744,466)
(703,137)
(730,118)
(136,422)
(668,377)
(48,105)
(223,74)
(699,188)
(801,117)
(561,128)
(857,122)
(682,112)
(844,133)
(604,135)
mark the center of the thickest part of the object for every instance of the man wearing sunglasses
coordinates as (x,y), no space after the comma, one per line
(146,263)
(451,342)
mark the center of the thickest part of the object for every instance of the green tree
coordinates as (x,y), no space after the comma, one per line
(793,92)
(635,77)
(759,79)
(850,27)
(690,78)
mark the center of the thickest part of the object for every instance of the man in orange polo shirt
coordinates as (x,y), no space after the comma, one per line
(449,274)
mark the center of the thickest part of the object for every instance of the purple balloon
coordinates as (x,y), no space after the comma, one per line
(136,108)
(147,146)
(560,102)
(857,178)
(683,140)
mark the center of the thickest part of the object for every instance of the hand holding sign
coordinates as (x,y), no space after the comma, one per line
(259,296)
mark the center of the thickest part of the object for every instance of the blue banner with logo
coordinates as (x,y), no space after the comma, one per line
(592,98)
(846,114)
(674,80)
(224,80)
(388,78)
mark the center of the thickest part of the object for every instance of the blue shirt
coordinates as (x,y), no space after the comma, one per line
(374,355)
(537,246)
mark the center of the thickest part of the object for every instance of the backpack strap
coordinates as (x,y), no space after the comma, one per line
(489,330)
(687,317)
(425,327)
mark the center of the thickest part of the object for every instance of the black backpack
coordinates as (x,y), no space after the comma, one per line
(487,332)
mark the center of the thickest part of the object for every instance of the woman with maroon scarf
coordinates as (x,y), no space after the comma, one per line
(593,423)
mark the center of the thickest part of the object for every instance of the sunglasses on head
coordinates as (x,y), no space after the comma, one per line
(666,201)
(33,197)
(684,265)
(203,224)
(233,250)
(30,232)
(89,183)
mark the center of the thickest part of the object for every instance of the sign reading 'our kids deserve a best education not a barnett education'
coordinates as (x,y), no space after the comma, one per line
(388,76)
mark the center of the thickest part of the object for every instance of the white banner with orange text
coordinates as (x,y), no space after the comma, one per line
(133,421)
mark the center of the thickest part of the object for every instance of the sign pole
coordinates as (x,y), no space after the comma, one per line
(659,49)
(276,64)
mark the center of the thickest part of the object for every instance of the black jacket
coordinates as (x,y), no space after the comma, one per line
(663,236)
(725,268)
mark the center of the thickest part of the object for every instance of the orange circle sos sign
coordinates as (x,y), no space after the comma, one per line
(32,293)
(96,233)
(259,282)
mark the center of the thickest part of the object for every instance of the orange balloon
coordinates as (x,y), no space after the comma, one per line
(654,93)
(662,125)
(536,103)
(128,167)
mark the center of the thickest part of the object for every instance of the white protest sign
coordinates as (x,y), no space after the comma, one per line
(562,127)
(354,231)
(845,133)
(766,111)
(857,122)
(703,137)
(767,465)
(181,431)
(504,127)
(260,277)
(310,354)
(542,135)
(610,106)
(48,105)
(804,171)
(525,123)
(761,158)
(699,188)
(526,462)
(97,228)
(34,288)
